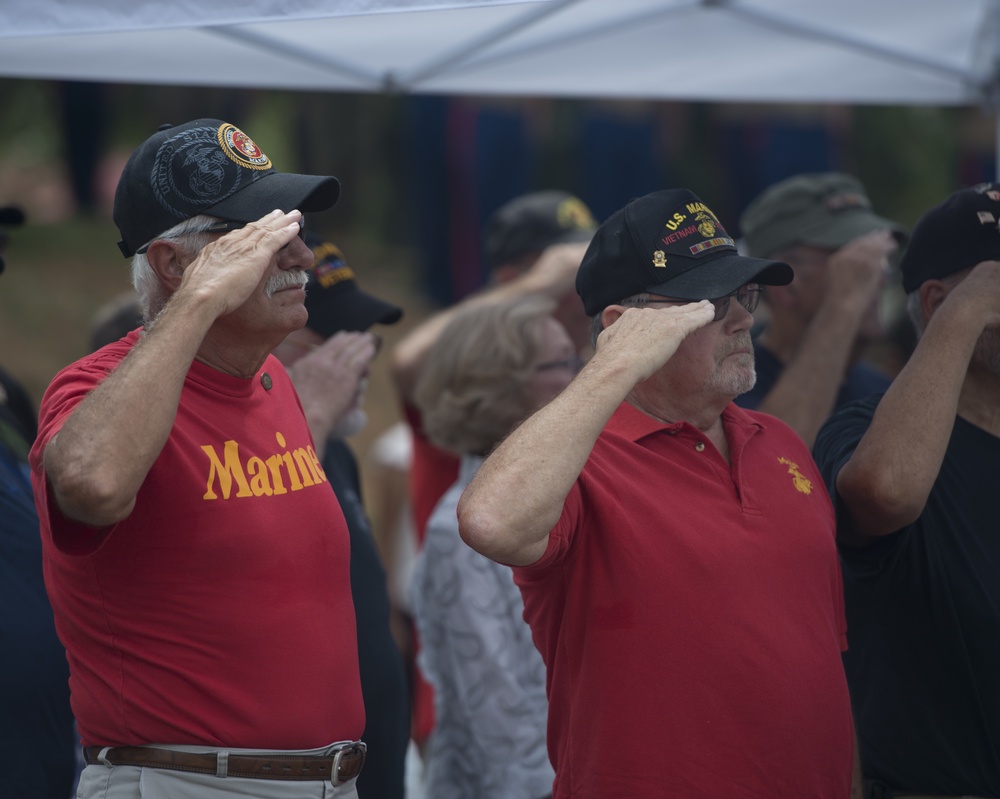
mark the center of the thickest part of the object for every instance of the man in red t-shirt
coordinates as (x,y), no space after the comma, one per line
(675,553)
(195,556)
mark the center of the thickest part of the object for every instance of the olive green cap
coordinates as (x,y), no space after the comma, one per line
(822,210)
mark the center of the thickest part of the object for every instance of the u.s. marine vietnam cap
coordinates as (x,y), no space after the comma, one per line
(671,244)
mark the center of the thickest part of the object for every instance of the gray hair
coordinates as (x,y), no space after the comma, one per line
(914,308)
(471,392)
(915,312)
(151,294)
(597,323)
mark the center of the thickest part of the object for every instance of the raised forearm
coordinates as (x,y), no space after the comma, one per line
(552,276)
(886,482)
(517,496)
(98,460)
(804,395)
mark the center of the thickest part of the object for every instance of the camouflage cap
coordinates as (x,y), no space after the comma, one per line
(823,210)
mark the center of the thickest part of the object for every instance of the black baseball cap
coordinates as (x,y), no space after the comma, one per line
(532,222)
(206,167)
(954,235)
(333,299)
(671,244)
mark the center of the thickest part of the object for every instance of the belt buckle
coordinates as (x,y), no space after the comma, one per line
(360,747)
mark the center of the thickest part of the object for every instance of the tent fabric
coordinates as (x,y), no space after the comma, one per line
(906,52)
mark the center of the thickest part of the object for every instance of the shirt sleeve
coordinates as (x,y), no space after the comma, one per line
(838,438)
(67,390)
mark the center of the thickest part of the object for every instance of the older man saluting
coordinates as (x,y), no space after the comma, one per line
(195,555)
(675,553)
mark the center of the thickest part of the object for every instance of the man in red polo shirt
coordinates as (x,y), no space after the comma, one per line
(675,552)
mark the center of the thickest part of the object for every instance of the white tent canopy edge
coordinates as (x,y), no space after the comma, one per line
(893,52)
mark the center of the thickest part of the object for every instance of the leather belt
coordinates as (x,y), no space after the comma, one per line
(342,765)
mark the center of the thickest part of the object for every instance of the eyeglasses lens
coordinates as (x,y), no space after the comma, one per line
(748,296)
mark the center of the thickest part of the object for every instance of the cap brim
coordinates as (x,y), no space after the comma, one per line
(834,234)
(284,190)
(353,311)
(723,276)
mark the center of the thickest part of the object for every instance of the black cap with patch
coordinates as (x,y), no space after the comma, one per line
(206,167)
(334,300)
(533,222)
(668,243)
(954,235)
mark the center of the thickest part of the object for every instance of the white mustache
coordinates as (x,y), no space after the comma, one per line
(286,279)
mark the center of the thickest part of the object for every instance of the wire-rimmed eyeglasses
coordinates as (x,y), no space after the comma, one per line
(747,295)
(227,226)
(222,226)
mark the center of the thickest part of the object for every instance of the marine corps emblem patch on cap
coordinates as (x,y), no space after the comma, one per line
(241,148)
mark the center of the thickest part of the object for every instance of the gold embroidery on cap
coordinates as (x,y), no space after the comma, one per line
(706,225)
(574,215)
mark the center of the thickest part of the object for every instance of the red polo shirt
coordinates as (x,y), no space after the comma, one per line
(690,616)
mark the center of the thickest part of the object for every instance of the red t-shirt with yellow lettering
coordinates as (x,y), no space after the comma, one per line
(219,612)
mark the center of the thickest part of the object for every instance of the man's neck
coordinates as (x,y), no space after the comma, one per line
(240,360)
(706,417)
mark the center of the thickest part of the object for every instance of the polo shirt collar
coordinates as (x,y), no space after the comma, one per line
(631,423)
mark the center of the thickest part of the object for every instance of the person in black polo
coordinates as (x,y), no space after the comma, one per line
(913,473)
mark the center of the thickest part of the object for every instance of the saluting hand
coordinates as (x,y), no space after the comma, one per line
(229,269)
(645,338)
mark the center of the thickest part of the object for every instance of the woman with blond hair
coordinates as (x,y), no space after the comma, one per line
(491,368)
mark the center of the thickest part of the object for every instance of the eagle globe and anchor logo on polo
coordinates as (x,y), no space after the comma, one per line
(200,167)
(802,483)
(694,218)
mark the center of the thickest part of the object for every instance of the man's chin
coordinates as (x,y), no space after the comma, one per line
(737,381)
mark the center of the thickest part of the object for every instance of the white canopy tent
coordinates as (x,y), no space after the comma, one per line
(893,52)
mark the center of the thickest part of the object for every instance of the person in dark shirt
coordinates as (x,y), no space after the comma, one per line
(913,473)
(328,361)
(36,722)
(808,353)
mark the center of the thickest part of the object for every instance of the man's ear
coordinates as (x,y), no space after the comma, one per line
(610,315)
(932,294)
(167,260)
